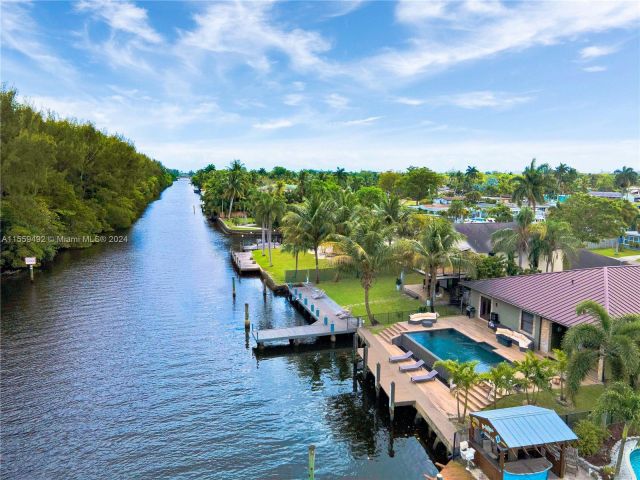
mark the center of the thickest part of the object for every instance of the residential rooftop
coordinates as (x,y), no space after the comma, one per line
(554,296)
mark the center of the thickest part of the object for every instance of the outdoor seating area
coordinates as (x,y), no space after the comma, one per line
(419,318)
(506,337)
(522,443)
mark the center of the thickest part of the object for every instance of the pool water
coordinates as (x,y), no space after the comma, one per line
(634,459)
(449,344)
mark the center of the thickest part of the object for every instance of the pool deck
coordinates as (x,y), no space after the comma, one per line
(432,400)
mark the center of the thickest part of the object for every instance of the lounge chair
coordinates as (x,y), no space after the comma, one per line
(412,367)
(399,358)
(418,318)
(318,294)
(425,378)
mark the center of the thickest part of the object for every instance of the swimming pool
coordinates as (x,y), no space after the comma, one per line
(450,344)
(634,459)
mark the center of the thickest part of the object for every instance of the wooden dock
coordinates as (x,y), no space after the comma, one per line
(322,310)
(244,262)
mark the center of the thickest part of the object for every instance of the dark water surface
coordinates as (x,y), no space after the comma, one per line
(130,361)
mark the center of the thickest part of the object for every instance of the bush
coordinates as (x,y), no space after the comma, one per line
(590,437)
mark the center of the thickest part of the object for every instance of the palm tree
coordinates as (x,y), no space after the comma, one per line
(341,176)
(531,185)
(515,240)
(608,340)
(557,238)
(565,176)
(293,239)
(236,183)
(625,177)
(366,252)
(502,379)
(622,402)
(561,366)
(276,208)
(464,376)
(260,204)
(536,373)
(457,210)
(436,249)
(315,218)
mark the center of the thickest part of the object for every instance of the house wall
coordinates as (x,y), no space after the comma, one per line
(510,316)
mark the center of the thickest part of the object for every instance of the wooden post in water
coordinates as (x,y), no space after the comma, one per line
(377,380)
(312,462)
(31,272)
(264,288)
(233,286)
(194,209)
(247,325)
(354,353)
(392,400)
(365,355)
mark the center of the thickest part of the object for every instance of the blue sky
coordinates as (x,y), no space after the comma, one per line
(361,85)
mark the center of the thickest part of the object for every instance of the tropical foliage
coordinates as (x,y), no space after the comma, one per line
(64,182)
(462,377)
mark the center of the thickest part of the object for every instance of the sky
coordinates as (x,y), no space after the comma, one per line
(358,85)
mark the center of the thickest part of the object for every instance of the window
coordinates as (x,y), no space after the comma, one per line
(526,322)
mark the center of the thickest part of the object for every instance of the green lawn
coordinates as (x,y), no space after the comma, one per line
(610,252)
(585,400)
(285,261)
(231,226)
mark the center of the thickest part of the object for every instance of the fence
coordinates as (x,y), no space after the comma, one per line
(572,418)
(309,275)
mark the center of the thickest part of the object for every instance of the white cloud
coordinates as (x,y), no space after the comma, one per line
(596,51)
(343,7)
(244,33)
(123,16)
(482,99)
(481,33)
(337,101)
(413,102)
(362,121)
(293,99)
(19,32)
(273,124)
(595,69)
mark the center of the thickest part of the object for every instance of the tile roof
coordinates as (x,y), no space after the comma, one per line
(554,296)
(527,426)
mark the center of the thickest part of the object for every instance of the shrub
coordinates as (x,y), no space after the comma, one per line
(590,437)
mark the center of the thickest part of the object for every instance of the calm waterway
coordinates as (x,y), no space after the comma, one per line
(130,361)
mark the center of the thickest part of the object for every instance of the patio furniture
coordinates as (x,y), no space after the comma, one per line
(412,367)
(504,340)
(524,342)
(427,323)
(418,318)
(425,378)
(318,294)
(399,358)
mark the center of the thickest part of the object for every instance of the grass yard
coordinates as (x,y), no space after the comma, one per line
(383,296)
(232,226)
(610,252)
(585,400)
(285,261)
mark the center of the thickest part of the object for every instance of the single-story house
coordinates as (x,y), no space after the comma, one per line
(543,306)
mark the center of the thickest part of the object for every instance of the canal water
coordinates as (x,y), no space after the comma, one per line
(130,360)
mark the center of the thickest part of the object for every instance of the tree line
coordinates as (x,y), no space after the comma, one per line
(64,182)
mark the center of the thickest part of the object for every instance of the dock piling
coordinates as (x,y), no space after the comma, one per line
(247,325)
(377,380)
(233,286)
(365,355)
(312,461)
(392,400)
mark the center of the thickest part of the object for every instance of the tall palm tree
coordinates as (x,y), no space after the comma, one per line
(345,207)
(565,176)
(557,238)
(341,176)
(436,249)
(515,240)
(622,402)
(293,239)
(502,379)
(315,218)
(609,340)
(464,376)
(236,183)
(366,252)
(531,185)
(260,204)
(276,208)
(625,177)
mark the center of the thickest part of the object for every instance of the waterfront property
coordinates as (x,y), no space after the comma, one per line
(521,443)
(542,307)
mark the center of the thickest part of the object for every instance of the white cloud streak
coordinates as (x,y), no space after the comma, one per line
(122,16)
(595,69)
(362,121)
(337,101)
(596,51)
(482,99)
(273,124)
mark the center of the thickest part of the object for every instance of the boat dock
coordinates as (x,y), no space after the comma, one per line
(244,262)
(328,319)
